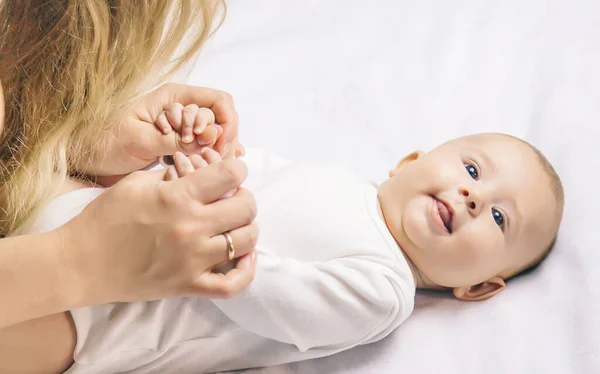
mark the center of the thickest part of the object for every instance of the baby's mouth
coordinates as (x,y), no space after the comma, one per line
(445,213)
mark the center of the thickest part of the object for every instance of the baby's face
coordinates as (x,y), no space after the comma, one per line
(474,208)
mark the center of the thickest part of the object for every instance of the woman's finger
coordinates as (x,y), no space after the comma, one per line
(171,174)
(227,117)
(219,285)
(197,161)
(244,241)
(183,165)
(211,156)
(230,214)
(210,183)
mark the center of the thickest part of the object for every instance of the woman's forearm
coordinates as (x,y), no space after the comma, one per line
(34,278)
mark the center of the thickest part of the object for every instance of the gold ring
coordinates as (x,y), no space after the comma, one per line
(230,248)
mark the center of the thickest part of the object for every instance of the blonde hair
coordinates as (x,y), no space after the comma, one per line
(68,68)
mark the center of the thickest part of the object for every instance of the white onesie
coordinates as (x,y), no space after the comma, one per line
(329,277)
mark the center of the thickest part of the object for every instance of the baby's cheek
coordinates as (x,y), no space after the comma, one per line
(480,244)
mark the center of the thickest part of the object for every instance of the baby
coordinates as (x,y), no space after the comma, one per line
(339,258)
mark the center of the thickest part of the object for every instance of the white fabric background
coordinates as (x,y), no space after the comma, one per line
(367,82)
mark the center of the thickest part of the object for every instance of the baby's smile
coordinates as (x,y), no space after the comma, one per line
(443,214)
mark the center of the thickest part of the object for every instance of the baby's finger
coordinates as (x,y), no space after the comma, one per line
(188,114)
(174,115)
(171,174)
(197,161)
(183,165)
(163,124)
(210,135)
(210,155)
(204,117)
(240,151)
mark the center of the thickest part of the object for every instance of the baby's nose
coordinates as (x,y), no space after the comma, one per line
(473,199)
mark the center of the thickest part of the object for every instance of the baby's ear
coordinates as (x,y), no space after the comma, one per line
(481,291)
(408,158)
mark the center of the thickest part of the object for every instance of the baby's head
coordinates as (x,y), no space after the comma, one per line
(473,212)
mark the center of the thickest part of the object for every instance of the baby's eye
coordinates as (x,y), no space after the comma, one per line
(472,170)
(498,218)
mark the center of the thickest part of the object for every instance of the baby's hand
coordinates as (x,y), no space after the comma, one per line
(191,122)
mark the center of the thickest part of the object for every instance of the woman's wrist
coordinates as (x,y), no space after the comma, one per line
(74,282)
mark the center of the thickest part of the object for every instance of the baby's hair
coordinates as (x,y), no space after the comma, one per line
(535,263)
(558,192)
(69,68)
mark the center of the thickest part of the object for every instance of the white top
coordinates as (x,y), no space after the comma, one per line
(329,277)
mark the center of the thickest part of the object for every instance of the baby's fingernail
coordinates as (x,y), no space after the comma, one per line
(187,139)
(203,142)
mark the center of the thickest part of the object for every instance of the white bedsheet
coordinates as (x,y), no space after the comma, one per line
(368,81)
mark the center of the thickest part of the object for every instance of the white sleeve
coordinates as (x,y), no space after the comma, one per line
(335,304)
(62,209)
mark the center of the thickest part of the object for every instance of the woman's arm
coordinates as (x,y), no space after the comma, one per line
(42,345)
(34,282)
(35,279)
(143,239)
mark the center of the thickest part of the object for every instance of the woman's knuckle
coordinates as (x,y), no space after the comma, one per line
(226,96)
(183,231)
(252,235)
(250,208)
(249,204)
(167,198)
(231,173)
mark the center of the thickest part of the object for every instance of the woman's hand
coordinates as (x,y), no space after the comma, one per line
(146,238)
(135,141)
